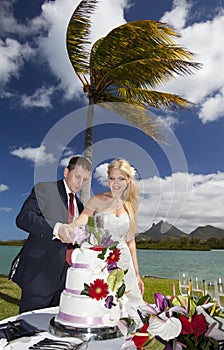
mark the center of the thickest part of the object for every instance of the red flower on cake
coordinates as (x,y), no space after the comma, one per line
(114,256)
(98,289)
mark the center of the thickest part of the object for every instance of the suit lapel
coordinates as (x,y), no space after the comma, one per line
(64,201)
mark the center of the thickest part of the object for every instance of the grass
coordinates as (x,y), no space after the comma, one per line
(9,298)
(10,293)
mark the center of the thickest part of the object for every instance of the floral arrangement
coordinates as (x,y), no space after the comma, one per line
(114,287)
(176,323)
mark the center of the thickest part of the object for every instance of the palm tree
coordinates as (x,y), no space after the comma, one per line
(127,66)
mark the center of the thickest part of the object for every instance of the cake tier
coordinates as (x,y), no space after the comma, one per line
(76,277)
(82,311)
(84,257)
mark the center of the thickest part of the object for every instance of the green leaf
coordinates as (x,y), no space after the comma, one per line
(120,291)
(102,255)
(153,344)
(115,279)
(91,222)
(114,245)
(203,299)
(85,291)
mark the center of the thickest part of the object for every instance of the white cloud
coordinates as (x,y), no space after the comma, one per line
(108,15)
(100,174)
(40,98)
(46,34)
(199,205)
(3,188)
(12,58)
(213,108)
(182,199)
(204,39)
(5,209)
(178,15)
(36,155)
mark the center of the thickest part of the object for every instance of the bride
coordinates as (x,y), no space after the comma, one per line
(116,211)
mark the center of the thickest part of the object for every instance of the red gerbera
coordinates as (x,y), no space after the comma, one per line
(114,256)
(197,326)
(98,289)
(140,340)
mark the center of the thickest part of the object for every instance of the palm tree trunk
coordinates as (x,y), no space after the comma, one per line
(88,152)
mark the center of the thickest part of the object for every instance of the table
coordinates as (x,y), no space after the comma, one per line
(41,319)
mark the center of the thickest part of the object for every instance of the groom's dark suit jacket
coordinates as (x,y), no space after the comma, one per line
(43,260)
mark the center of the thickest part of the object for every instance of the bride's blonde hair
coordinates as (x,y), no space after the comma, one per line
(131,194)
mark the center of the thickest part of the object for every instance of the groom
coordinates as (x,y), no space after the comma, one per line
(41,271)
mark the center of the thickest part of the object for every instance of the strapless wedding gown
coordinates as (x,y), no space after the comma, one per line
(117,227)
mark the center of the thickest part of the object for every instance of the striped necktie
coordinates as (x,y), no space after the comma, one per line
(71,209)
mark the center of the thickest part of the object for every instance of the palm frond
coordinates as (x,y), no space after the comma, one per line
(152,98)
(137,116)
(78,36)
(140,38)
(142,52)
(148,72)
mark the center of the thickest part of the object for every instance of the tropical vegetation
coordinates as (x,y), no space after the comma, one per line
(126,67)
(183,243)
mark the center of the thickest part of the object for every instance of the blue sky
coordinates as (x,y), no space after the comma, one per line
(182,182)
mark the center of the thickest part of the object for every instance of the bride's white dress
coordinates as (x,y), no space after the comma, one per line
(117,227)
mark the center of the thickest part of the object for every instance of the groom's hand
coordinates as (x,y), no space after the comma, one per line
(65,233)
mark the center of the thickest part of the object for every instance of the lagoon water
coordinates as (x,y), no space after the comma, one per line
(159,263)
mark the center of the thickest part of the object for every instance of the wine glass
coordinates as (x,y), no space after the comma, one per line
(197,287)
(211,289)
(220,292)
(184,281)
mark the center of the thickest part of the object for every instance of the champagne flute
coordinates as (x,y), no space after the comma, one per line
(197,287)
(184,281)
(220,292)
(211,289)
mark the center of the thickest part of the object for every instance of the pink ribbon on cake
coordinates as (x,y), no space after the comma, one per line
(89,321)
(73,291)
(80,266)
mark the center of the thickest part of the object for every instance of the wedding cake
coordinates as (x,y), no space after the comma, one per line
(94,291)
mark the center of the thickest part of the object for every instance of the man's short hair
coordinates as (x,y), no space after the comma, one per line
(78,160)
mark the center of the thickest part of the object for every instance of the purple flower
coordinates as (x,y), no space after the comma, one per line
(106,240)
(112,266)
(80,234)
(109,302)
(161,302)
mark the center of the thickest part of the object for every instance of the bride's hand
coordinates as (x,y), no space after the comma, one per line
(140,284)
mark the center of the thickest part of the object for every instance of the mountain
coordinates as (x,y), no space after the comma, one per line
(160,231)
(205,232)
(163,230)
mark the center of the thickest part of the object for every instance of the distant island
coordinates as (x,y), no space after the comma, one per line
(167,237)
(13,242)
(164,236)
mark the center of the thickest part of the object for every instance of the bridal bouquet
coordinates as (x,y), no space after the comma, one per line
(176,323)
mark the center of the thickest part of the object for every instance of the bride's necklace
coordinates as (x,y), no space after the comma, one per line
(118,205)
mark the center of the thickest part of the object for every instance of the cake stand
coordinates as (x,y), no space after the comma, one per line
(87,334)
